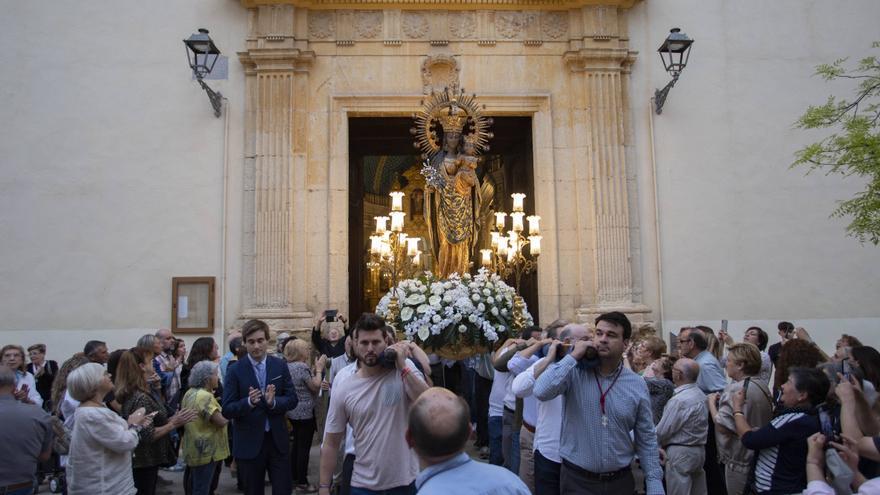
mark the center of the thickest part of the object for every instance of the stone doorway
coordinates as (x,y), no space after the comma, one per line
(381,158)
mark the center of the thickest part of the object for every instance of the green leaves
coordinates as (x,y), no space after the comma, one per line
(853,148)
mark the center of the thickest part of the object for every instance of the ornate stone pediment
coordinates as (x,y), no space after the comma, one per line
(442,4)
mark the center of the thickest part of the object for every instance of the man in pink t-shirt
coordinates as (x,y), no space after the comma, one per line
(375,402)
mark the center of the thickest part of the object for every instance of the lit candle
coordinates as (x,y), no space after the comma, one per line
(401,238)
(375,244)
(412,246)
(396,200)
(517,217)
(386,248)
(381,224)
(502,246)
(535,245)
(511,251)
(487,257)
(495,237)
(499,220)
(534,225)
(417,259)
(518,201)
(512,238)
(397,221)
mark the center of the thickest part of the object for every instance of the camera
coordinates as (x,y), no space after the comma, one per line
(330,315)
(388,359)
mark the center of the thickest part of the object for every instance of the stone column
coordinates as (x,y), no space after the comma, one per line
(599,63)
(276,72)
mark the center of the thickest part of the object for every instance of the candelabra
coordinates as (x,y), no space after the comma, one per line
(507,256)
(393,252)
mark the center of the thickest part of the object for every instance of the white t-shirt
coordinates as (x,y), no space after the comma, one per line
(498,396)
(548,428)
(342,375)
(376,407)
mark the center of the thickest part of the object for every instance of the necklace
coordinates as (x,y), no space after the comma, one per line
(604,394)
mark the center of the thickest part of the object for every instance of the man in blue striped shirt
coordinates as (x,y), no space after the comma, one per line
(602,406)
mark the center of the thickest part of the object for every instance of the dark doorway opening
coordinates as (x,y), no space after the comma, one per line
(382,158)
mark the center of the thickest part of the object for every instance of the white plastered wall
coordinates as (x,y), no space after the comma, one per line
(742,237)
(111,177)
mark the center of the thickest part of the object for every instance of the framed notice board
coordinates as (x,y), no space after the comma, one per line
(192,304)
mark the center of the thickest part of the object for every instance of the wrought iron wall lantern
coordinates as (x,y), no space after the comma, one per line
(674,52)
(202,54)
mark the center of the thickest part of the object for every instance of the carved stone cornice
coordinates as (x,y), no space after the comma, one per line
(276,60)
(600,59)
(442,4)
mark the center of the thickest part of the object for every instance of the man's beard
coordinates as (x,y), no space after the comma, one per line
(370,360)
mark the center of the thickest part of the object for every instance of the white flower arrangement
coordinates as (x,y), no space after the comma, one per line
(468,310)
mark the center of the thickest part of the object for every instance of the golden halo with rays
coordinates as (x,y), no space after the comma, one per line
(443,106)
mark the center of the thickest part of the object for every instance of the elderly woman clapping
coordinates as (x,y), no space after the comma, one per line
(101,442)
(205,443)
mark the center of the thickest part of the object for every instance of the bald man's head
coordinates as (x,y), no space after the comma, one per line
(439,424)
(573,332)
(685,371)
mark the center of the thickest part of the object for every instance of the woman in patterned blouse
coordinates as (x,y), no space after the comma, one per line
(133,393)
(302,417)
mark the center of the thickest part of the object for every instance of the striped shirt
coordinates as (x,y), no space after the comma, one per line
(586,441)
(782,452)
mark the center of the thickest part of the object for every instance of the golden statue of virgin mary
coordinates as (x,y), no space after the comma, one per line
(452,199)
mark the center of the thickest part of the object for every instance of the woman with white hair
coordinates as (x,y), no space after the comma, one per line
(205,443)
(101,442)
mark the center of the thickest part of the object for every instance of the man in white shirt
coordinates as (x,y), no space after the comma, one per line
(682,432)
(25,386)
(374,401)
(548,420)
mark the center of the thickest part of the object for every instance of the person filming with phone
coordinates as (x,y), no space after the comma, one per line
(333,344)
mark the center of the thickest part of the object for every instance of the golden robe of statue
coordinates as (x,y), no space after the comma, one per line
(453,208)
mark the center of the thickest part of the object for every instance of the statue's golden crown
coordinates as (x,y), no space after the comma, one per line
(454,121)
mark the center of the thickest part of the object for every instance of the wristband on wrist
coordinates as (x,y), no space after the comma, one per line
(404,372)
(324,485)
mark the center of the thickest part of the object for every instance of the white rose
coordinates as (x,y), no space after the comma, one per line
(424,332)
(490,300)
(447,298)
(494,311)
(436,319)
(462,328)
(472,318)
(503,312)
(481,307)
(422,308)
(434,300)
(406,313)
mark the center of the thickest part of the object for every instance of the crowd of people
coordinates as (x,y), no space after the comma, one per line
(566,409)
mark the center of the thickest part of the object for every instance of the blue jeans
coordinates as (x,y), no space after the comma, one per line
(510,442)
(201,478)
(495,455)
(399,490)
(546,475)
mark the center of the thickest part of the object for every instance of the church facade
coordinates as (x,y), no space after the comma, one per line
(117,176)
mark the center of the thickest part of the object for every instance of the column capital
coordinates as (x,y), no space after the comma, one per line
(262,60)
(600,59)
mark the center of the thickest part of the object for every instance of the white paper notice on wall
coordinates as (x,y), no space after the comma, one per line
(182,307)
